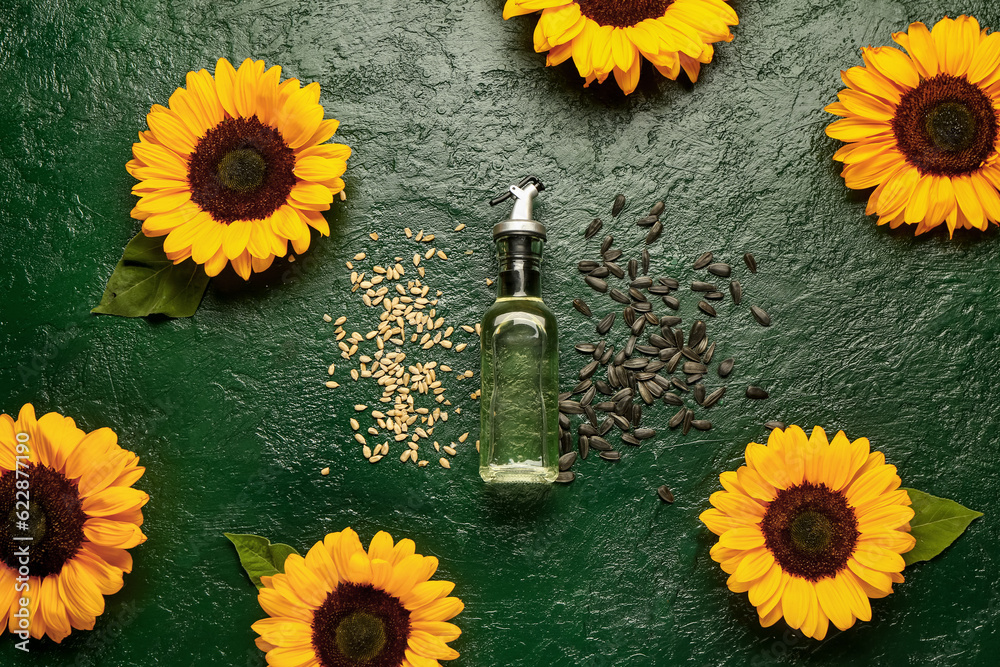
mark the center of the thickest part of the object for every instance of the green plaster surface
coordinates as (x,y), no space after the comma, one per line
(445,104)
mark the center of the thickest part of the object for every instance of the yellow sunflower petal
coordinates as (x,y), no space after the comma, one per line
(307,585)
(236,238)
(430,646)
(920,45)
(225,86)
(440,610)
(796,601)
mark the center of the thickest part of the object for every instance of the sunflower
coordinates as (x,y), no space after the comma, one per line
(922,128)
(82,516)
(342,606)
(236,168)
(606,37)
(811,529)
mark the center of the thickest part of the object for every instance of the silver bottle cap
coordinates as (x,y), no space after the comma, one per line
(521,219)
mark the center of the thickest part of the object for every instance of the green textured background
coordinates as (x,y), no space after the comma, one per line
(445,104)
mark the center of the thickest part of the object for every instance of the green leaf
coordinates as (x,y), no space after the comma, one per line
(938,522)
(145,283)
(259,557)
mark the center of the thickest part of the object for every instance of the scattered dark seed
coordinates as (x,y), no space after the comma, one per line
(589,396)
(565,477)
(611,255)
(688,418)
(563,421)
(679,384)
(583,444)
(691,379)
(665,495)
(583,386)
(647,350)
(662,381)
(565,443)
(691,354)
(624,393)
(596,284)
(658,340)
(606,243)
(589,369)
(593,228)
(654,232)
(619,296)
(564,395)
(570,407)
(644,393)
(645,260)
(629,315)
(671,302)
(610,456)
(606,357)
(679,338)
(714,397)
(667,353)
(633,268)
(699,393)
(654,365)
(636,363)
(605,406)
(642,307)
(699,286)
(672,399)
(753,391)
(567,460)
(657,208)
(700,347)
(701,424)
(706,307)
(636,295)
(658,290)
(726,367)
(720,269)
(617,206)
(676,420)
(606,426)
(587,265)
(630,439)
(714,296)
(586,429)
(653,388)
(642,283)
(619,421)
(703,260)
(751,262)
(736,291)
(706,358)
(599,350)
(672,283)
(692,367)
(586,348)
(761,316)
(638,326)
(615,270)
(620,359)
(670,321)
(600,272)
(647,221)
(672,364)
(630,343)
(644,433)
(697,333)
(773,425)
(644,376)
(591,415)
(582,306)
(604,326)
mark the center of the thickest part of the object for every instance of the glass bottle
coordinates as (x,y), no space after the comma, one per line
(519,437)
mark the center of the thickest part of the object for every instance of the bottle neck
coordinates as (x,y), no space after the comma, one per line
(520,260)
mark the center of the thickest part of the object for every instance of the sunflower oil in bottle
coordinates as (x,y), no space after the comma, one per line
(519,419)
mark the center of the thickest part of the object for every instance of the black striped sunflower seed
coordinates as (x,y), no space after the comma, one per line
(630,439)
(688,418)
(633,268)
(657,208)
(588,396)
(593,228)
(585,348)
(751,262)
(589,370)
(691,354)
(676,420)
(582,306)
(647,221)
(755,392)
(701,286)
(648,350)
(714,296)
(697,333)
(672,399)
(658,290)
(699,393)
(645,260)
(773,425)
(606,243)
(644,433)
(665,494)
(642,283)
(692,367)
(726,367)
(706,358)
(703,260)
(720,269)
(761,316)
(565,477)
(736,291)
(567,460)
(615,270)
(671,302)
(610,456)
(671,321)
(596,284)
(672,283)
(642,307)
(638,326)
(599,272)
(706,307)
(611,255)
(617,206)
(629,315)
(583,444)
(587,265)
(582,386)
(570,407)
(714,397)
(630,343)
(604,326)
(701,424)
(654,232)
(619,296)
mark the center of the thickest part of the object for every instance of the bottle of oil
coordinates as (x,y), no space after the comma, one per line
(519,437)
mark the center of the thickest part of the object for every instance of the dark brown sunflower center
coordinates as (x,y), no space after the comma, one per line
(946,126)
(360,625)
(623,13)
(811,530)
(241,170)
(48,510)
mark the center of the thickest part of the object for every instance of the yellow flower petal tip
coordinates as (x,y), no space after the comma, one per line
(73,513)
(236,167)
(921,127)
(614,38)
(344,605)
(811,528)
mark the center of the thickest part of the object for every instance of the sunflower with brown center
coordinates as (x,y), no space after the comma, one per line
(811,529)
(69,499)
(342,606)
(922,128)
(614,36)
(236,168)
